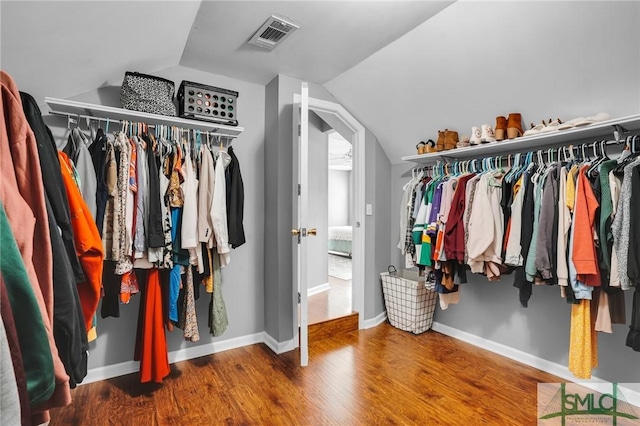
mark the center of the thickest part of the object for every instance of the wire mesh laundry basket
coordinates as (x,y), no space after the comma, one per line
(410,300)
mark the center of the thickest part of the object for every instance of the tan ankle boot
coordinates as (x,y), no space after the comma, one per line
(440,141)
(450,139)
(514,126)
(501,128)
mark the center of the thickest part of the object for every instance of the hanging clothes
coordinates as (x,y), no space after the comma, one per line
(235,201)
(98,152)
(557,223)
(8,321)
(219,209)
(34,343)
(151,342)
(9,396)
(23,197)
(68,323)
(88,245)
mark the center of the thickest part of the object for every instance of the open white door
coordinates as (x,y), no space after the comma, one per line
(300,230)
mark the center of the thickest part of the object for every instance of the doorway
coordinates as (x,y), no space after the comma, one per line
(336,117)
(334,299)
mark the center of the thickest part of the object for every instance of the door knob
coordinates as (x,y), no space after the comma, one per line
(295,232)
(312,231)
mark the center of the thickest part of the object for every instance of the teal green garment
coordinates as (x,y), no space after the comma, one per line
(416,232)
(32,336)
(530,267)
(606,208)
(425,251)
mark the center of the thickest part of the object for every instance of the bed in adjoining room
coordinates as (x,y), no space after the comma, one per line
(340,238)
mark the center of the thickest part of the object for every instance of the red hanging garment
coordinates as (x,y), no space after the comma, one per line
(151,341)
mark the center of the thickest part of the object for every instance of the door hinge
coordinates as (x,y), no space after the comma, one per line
(299,297)
(299,189)
(299,130)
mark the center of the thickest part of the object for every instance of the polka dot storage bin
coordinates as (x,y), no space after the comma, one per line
(201,102)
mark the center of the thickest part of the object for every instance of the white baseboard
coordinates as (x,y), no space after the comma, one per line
(279,347)
(111,371)
(186,353)
(632,396)
(318,289)
(182,354)
(373,322)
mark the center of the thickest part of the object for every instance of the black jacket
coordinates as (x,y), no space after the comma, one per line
(68,322)
(52,177)
(155,232)
(235,201)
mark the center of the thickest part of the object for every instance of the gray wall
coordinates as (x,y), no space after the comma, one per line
(278,221)
(318,270)
(491,310)
(242,280)
(339,197)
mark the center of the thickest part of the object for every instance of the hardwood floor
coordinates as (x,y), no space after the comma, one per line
(332,303)
(377,376)
(331,327)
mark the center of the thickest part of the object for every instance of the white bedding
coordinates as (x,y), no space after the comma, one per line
(340,233)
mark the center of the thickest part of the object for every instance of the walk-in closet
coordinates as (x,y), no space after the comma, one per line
(319,213)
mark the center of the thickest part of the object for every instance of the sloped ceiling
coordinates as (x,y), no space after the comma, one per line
(405,69)
(477,60)
(63,48)
(333,36)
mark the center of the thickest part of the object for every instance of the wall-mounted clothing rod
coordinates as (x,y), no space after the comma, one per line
(153,126)
(567,152)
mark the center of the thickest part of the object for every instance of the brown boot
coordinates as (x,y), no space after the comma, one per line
(501,128)
(514,126)
(440,142)
(430,146)
(450,139)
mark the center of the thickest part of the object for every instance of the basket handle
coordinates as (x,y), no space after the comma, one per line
(392,270)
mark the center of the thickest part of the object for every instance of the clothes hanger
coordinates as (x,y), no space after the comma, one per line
(512,169)
(619,169)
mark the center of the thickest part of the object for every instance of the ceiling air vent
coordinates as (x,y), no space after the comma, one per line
(272,33)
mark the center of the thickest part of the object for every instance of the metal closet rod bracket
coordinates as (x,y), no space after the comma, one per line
(618,132)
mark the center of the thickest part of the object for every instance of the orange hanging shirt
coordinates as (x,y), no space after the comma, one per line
(87,241)
(585,257)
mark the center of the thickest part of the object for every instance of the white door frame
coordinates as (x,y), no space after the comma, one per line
(358,143)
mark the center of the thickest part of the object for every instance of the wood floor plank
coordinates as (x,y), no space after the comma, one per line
(331,327)
(377,376)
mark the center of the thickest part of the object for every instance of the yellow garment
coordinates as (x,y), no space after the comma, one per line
(571,187)
(583,341)
(517,186)
(208,280)
(92,334)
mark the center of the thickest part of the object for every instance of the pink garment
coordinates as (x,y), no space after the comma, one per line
(22,194)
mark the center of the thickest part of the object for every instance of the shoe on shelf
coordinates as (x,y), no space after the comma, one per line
(487,134)
(464,142)
(552,126)
(601,116)
(440,141)
(421,147)
(534,130)
(475,136)
(430,146)
(514,125)
(501,128)
(450,139)
(570,124)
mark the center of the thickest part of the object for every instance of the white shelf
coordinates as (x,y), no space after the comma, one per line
(67,107)
(577,135)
